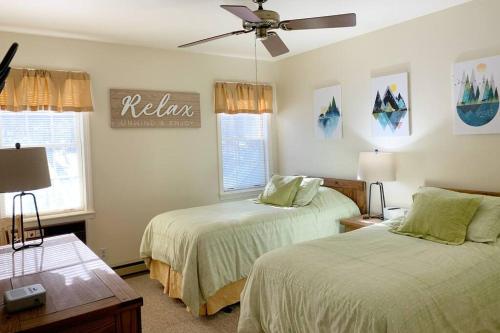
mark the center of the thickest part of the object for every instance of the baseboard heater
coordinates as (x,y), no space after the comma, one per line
(132,268)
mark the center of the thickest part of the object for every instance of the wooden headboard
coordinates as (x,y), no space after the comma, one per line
(493,194)
(354,189)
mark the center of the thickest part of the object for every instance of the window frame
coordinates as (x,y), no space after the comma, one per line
(250,192)
(87,209)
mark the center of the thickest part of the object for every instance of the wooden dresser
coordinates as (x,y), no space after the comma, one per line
(83,293)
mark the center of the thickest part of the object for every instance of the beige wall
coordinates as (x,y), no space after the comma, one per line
(426,48)
(138,173)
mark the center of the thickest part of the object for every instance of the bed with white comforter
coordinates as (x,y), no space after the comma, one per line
(213,246)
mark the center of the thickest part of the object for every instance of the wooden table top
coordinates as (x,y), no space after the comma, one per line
(360,221)
(77,281)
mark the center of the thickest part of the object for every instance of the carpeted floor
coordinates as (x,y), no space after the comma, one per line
(163,314)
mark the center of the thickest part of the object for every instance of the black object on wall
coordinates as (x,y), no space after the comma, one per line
(55,229)
(4,65)
(76,227)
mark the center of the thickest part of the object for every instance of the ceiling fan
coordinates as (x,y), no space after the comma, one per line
(263,21)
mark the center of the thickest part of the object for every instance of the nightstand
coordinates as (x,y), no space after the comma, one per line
(358,222)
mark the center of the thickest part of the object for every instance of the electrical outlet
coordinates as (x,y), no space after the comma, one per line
(103,253)
(30,234)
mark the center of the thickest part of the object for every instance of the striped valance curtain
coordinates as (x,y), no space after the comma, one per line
(233,98)
(44,90)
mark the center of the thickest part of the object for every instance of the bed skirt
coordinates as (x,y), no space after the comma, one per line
(172,283)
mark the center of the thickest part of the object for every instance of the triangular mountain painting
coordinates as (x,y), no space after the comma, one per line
(476,100)
(328,117)
(390,110)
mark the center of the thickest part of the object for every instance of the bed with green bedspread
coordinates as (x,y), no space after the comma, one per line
(372,280)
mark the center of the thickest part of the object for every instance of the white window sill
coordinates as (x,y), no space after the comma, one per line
(241,194)
(51,219)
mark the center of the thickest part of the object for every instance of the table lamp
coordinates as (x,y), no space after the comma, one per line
(23,170)
(376,166)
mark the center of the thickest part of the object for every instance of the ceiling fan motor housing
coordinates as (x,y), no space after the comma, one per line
(269,20)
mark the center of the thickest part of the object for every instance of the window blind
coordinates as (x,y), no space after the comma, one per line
(61,135)
(244,150)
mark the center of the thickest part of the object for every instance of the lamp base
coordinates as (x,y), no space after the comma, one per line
(26,246)
(382,200)
(21,224)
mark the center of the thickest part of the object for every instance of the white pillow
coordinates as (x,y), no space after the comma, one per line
(307,191)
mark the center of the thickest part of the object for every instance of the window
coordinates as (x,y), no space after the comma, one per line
(62,134)
(244,151)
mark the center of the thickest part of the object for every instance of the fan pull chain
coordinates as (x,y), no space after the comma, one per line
(256,73)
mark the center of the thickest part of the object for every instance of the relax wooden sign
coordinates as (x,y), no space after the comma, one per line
(151,108)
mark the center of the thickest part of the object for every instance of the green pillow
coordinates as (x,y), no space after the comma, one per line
(281,191)
(485,225)
(307,191)
(439,217)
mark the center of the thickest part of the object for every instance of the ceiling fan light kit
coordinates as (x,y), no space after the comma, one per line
(262,22)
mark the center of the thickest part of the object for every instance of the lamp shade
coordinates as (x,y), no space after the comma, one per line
(23,169)
(376,166)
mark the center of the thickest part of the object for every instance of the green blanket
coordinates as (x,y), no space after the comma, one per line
(372,280)
(215,245)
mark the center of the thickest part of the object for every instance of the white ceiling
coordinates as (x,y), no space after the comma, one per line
(168,23)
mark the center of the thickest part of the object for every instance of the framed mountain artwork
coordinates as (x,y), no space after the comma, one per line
(475,98)
(390,112)
(327,112)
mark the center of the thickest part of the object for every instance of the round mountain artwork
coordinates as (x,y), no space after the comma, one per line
(390,110)
(476,101)
(327,114)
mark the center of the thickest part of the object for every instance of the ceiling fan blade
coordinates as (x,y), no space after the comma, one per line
(4,65)
(243,13)
(8,56)
(275,45)
(334,21)
(4,73)
(239,32)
